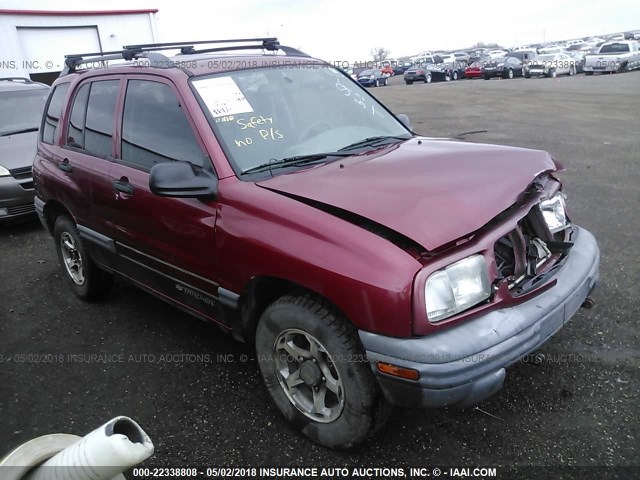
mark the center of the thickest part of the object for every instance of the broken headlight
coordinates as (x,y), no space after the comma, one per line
(554,212)
(456,288)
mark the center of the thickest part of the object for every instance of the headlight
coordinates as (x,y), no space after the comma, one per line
(554,212)
(456,288)
(4,172)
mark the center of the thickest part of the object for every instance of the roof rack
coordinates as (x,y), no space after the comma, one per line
(72,62)
(149,51)
(187,48)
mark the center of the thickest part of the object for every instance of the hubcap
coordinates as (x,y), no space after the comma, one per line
(308,376)
(72,258)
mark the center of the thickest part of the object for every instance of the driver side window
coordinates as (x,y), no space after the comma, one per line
(155,129)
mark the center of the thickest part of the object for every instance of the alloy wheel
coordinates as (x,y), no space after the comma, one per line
(72,258)
(308,376)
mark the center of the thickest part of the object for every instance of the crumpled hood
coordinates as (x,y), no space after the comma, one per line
(18,150)
(432,191)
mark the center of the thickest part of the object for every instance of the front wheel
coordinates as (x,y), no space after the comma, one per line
(316,372)
(86,279)
(455,75)
(553,73)
(510,74)
(428,78)
(408,82)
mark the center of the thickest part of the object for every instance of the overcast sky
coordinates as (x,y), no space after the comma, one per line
(337,30)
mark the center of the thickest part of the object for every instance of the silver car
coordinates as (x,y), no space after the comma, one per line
(21,105)
(551,65)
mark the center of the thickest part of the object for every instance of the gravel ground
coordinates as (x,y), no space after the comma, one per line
(581,407)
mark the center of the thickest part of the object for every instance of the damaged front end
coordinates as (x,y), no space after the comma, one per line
(523,247)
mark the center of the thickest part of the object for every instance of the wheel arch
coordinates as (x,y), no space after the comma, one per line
(262,291)
(52,210)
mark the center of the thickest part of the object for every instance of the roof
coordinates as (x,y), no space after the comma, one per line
(75,13)
(18,83)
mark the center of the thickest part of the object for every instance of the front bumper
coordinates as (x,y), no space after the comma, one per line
(466,363)
(16,200)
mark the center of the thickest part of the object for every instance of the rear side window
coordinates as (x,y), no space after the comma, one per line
(75,132)
(54,110)
(98,128)
(154,127)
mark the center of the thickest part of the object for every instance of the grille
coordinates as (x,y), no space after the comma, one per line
(21,209)
(21,173)
(529,252)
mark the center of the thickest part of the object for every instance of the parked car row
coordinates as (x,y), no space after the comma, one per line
(613,56)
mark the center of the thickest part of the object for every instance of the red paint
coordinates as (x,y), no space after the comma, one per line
(76,13)
(432,191)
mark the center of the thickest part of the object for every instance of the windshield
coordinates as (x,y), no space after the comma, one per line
(21,110)
(615,48)
(272,113)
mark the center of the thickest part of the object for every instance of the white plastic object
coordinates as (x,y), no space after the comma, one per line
(103,454)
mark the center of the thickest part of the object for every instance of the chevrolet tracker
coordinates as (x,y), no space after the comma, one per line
(272,195)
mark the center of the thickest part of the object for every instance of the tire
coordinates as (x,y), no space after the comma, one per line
(352,411)
(447,77)
(86,279)
(588,74)
(375,84)
(455,75)
(510,74)
(526,75)
(428,78)
(385,83)
(572,71)
(487,78)
(408,82)
(553,73)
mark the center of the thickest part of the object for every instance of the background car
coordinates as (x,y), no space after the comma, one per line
(525,56)
(551,65)
(401,67)
(372,77)
(417,74)
(474,70)
(21,105)
(387,70)
(506,67)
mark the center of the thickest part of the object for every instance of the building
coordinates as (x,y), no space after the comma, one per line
(34,42)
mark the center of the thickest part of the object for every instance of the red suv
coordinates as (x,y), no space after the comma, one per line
(272,195)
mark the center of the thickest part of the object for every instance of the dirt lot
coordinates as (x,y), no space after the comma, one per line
(580,408)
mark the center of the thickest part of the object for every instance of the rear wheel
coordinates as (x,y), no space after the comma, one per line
(510,74)
(408,82)
(553,73)
(86,279)
(428,78)
(455,75)
(316,372)
(447,77)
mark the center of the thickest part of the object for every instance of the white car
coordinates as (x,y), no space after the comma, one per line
(551,65)
(496,53)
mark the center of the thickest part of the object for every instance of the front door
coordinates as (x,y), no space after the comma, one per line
(165,244)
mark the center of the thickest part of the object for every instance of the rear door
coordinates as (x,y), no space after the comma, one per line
(165,244)
(88,148)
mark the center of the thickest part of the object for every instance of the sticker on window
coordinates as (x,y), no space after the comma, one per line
(223,96)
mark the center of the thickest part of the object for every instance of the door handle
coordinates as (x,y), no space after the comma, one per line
(64,166)
(123,186)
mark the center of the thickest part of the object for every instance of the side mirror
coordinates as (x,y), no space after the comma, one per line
(404,119)
(182,180)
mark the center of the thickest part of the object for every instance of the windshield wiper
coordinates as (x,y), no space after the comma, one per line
(17,132)
(371,141)
(294,161)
